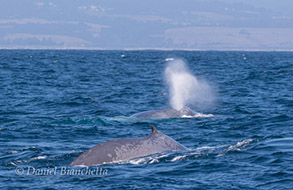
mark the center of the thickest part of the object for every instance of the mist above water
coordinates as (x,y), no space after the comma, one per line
(184,88)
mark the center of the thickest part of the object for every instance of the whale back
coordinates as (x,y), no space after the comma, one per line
(165,113)
(128,148)
(161,113)
(186,111)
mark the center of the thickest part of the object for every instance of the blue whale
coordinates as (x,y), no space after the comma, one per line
(166,113)
(126,149)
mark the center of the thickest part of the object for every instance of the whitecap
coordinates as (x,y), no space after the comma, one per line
(38,158)
(12,163)
(169,59)
(178,158)
(12,152)
(198,115)
(240,145)
(203,115)
(237,147)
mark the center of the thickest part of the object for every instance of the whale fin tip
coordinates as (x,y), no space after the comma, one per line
(154,130)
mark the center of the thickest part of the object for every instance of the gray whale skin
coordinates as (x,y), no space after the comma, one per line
(128,148)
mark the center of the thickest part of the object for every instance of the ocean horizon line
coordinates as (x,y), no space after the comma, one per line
(142,49)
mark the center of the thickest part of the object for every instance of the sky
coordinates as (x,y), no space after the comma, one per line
(152,24)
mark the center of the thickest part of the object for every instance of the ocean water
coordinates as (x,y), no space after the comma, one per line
(56,104)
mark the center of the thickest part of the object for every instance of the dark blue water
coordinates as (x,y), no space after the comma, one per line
(54,105)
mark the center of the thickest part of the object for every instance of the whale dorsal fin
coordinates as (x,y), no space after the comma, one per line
(154,130)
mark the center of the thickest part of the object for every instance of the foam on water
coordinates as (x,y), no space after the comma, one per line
(169,59)
(38,158)
(217,151)
(198,115)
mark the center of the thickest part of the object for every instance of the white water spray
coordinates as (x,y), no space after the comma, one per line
(184,88)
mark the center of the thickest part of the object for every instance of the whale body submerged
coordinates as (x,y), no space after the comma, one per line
(126,149)
(166,113)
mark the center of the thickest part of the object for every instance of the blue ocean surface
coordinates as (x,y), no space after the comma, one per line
(56,104)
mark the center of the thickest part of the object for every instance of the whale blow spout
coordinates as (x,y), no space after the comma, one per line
(185,89)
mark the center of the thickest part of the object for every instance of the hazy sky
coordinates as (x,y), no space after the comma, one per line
(169,24)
